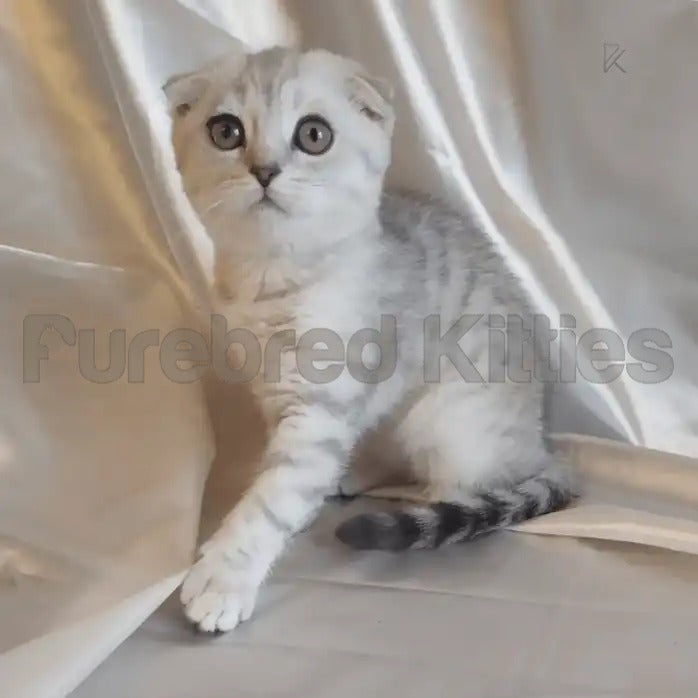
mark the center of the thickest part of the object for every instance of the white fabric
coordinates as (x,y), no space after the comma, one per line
(584,178)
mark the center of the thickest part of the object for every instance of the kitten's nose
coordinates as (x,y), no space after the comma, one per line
(265,173)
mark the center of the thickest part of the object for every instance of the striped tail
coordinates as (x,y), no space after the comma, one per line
(441,523)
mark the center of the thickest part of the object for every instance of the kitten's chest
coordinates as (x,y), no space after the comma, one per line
(262,297)
(263,318)
(278,314)
(278,297)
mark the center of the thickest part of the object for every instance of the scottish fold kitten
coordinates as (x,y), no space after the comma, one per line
(283,155)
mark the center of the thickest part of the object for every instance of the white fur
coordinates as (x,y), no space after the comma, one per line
(325,261)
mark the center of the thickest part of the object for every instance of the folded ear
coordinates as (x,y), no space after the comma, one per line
(374,98)
(183,91)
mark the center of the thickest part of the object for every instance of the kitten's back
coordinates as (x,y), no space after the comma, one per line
(447,253)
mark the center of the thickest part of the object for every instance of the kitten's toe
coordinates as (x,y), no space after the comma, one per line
(216,595)
(215,612)
(206,610)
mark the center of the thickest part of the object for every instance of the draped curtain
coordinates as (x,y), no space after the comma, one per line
(567,127)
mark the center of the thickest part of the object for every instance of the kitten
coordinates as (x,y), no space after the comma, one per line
(283,155)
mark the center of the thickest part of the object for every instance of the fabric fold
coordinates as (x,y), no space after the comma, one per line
(581,170)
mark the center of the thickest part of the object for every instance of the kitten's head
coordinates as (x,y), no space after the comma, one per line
(291,145)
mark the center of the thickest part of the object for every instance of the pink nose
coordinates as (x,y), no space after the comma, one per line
(265,173)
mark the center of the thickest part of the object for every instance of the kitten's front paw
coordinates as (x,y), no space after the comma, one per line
(217,594)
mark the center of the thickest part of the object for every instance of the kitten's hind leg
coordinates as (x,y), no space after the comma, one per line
(378,464)
(480,454)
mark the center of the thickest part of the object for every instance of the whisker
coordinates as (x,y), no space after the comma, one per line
(311,182)
(213,206)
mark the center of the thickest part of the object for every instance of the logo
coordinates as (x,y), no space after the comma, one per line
(612,53)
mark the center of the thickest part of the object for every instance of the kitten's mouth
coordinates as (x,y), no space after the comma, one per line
(266,202)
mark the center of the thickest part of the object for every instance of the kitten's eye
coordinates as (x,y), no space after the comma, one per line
(226,131)
(313,135)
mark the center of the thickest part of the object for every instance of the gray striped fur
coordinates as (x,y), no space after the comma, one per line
(443,523)
(322,246)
